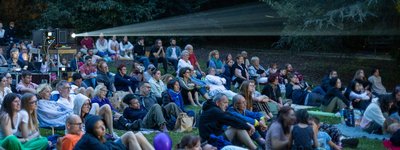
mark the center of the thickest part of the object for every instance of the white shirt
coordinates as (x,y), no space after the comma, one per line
(173,54)
(182,64)
(24,116)
(102,45)
(2,31)
(16,125)
(112,43)
(4,93)
(372,113)
(69,103)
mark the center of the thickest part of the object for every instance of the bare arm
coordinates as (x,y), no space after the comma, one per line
(333,145)
(6,125)
(238,74)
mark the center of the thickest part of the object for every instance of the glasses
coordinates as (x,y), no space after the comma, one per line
(68,87)
(103,90)
(86,104)
(33,102)
(77,124)
(9,77)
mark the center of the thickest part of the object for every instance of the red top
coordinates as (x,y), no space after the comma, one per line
(387,144)
(88,43)
(87,69)
(193,60)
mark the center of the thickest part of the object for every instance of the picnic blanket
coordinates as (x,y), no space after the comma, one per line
(357,132)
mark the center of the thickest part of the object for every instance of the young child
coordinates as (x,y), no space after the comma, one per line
(303,137)
(324,140)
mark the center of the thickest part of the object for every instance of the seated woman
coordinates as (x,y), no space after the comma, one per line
(240,73)
(10,123)
(359,97)
(123,82)
(94,138)
(396,104)
(84,109)
(29,126)
(257,102)
(173,95)
(152,118)
(373,119)
(301,95)
(228,73)
(13,61)
(215,62)
(50,113)
(194,62)
(216,84)
(257,119)
(184,61)
(273,68)
(137,72)
(279,132)
(272,89)
(157,86)
(334,100)
(4,90)
(100,98)
(189,89)
(257,71)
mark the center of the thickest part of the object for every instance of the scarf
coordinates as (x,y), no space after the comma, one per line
(217,62)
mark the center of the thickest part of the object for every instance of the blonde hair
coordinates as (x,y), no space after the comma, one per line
(41,88)
(212,53)
(98,88)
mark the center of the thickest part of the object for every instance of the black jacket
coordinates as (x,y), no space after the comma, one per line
(332,93)
(213,119)
(122,83)
(90,141)
(269,91)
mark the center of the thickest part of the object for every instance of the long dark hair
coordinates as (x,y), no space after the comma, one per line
(188,141)
(384,102)
(284,111)
(171,83)
(302,116)
(6,106)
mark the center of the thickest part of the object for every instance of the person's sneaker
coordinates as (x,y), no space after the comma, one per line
(163,128)
(115,135)
(350,142)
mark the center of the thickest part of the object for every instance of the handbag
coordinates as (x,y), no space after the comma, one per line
(184,123)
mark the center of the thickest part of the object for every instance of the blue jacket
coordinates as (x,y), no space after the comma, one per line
(247,116)
(169,52)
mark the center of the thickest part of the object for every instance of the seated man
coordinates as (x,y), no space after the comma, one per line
(173,53)
(26,85)
(78,80)
(149,107)
(376,82)
(89,72)
(301,95)
(74,132)
(140,52)
(123,82)
(214,117)
(65,98)
(216,84)
(87,43)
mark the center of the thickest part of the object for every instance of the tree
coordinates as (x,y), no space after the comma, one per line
(322,25)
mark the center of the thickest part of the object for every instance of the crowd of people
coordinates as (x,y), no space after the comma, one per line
(97,101)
